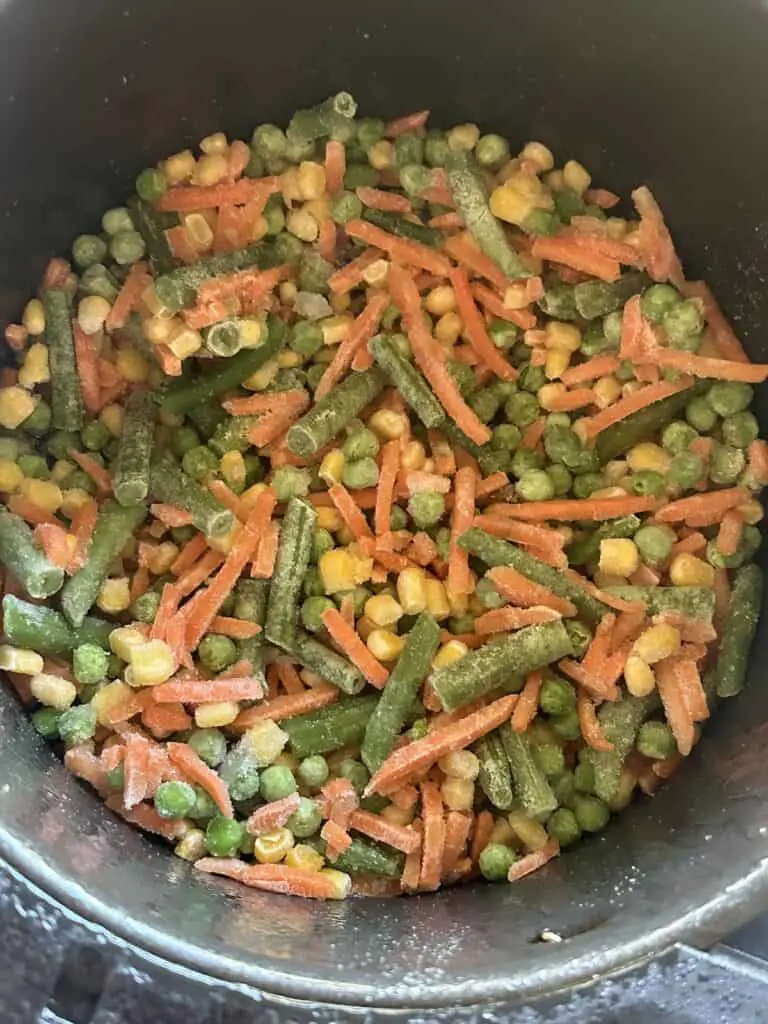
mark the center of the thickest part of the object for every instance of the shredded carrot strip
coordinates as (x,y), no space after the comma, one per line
(289,678)
(266,555)
(408,123)
(349,511)
(691,544)
(87,368)
(349,277)
(528,704)
(335,166)
(409,879)
(459,577)
(726,341)
(572,254)
(475,329)
(572,400)
(499,620)
(360,333)
(591,729)
(170,515)
(422,549)
(481,834)
(181,245)
(601,245)
(135,765)
(186,198)
(757,455)
(447,221)
(129,296)
(602,197)
(626,627)
(274,878)
(53,540)
(533,434)
(169,603)
(457,826)
(522,318)
(289,706)
(82,526)
(207,691)
(655,241)
(434,837)
(390,465)
(548,543)
(533,861)
(236,629)
(675,707)
(599,366)
(164,719)
(346,637)
(227,497)
(400,837)
(188,762)
(718,369)
(465,251)
(272,815)
(270,427)
(403,250)
(638,400)
(30,512)
(97,473)
(190,579)
(295,400)
(519,589)
(378,199)
(715,503)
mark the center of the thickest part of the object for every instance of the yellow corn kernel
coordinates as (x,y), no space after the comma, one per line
(152,662)
(200,231)
(337,570)
(440,300)
(163,557)
(179,167)
(615,471)
(388,425)
(53,691)
(192,846)
(437,599)
(458,794)
(608,579)
(17,659)
(362,564)
(34,317)
(115,595)
(329,519)
(10,476)
(639,676)
(510,205)
(580,430)
(397,815)
(463,137)
(607,390)
(288,359)
(109,697)
(539,154)
(619,556)
(384,644)
(266,741)
(530,833)
(123,639)
(111,416)
(272,847)
(216,715)
(381,155)
(35,369)
(503,833)
(310,179)
(475,607)
(365,627)
(16,405)
(555,181)
(332,466)
(448,328)
(461,764)
(458,603)
(185,342)
(340,303)
(648,456)
(215,143)
(311,679)
(225,543)
(131,365)
(262,378)
(614,491)
(689,571)
(548,394)
(73,500)
(303,856)
(616,228)
(412,590)
(515,296)
(450,652)
(320,208)
(413,457)
(341,882)
(43,493)
(561,335)
(232,467)
(335,329)
(289,185)
(656,643)
(383,610)
(558,360)
(377,274)
(752,512)
(92,312)
(210,169)
(302,225)
(576,177)
(158,329)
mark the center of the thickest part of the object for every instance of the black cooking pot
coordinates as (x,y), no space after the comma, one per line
(667,93)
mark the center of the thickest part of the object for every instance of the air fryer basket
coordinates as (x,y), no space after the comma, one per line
(666,93)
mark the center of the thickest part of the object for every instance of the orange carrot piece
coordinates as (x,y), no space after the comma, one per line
(87,368)
(181,245)
(422,549)
(599,366)
(97,473)
(187,198)
(522,318)
(289,678)
(434,837)
(270,428)
(481,834)
(264,563)
(348,509)
(533,434)
(519,589)
(289,706)
(408,123)
(572,400)
(457,826)
(187,761)
(30,512)
(295,400)
(542,538)
(170,515)
(390,465)
(655,241)
(403,838)
(459,577)
(715,503)
(591,729)
(169,603)
(227,497)
(335,166)
(405,762)
(465,251)
(576,508)
(129,296)
(572,254)
(491,483)
(53,540)
(717,369)
(378,199)
(500,620)
(191,578)
(528,704)
(207,691)
(447,221)
(345,636)
(686,674)
(135,765)
(693,543)
(602,197)
(349,277)
(626,627)
(164,719)
(600,245)
(403,250)
(675,707)
(274,878)
(85,765)
(725,338)
(757,455)
(140,583)
(475,329)
(147,818)
(633,403)
(533,861)
(235,629)
(272,815)
(409,879)
(238,158)
(360,333)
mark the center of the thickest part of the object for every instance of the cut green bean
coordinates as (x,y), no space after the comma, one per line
(66,397)
(645,424)
(114,528)
(598,298)
(170,484)
(582,552)
(152,226)
(20,554)
(330,117)
(391,713)
(365,857)
(408,381)
(332,728)
(487,457)
(496,552)
(531,786)
(697,602)
(739,630)
(251,597)
(293,556)
(491,665)
(396,224)
(46,631)
(328,664)
(495,778)
(471,199)
(130,477)
(333,412)
(178,288)
(620,722)
(186,393)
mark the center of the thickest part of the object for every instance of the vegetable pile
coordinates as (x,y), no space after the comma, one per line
(379,507)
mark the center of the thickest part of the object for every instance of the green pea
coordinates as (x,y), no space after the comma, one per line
(729,397)
(183,440)
(647,483)
(210,745)
(426,508)
(524,461)
(654,544)
(313,771)
(485,404)
(682,321)
(313,583)
(591,813)
(563,827)
(535,485)
(277,782)
(409,149)
(88,249)
(200,463)
(269,141)
(39,420)
(612,323)
(549,757)
(557,696)
(726,464)
(740,430)
(532,378)
(217,652)
(117,219)
(46,722)
(461,624)
(561,479)
(686,470)
(542,222)
(566,726)
(561,444)
(463,376)
(568,203)
(487,594)
(312,611)
(144,608)
(594,341)
(584,777)
(626,371)
(370,130)
(291,482)
(274,215)
(436,148)
(678,436)
(126,247)
(151,184)
(579,635)
(360,445)
(563,787)
(116,777)
(360,473)
(502,333)
(418,730)
(289,249)
(415,178)
(223,836)
(655,739)
(658,300)
(701,415)
(360,176)
(587,483)
(89,664)
(174,799)
(255,166)
(305,820)
(492,151)
(355,772)
(322,541)
(506,437)
(398,518)
(495,861)
(77,724)
(94,436)
(34,467)
(204,808)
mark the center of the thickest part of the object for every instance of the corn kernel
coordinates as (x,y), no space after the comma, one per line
(381,155)
(657,643)
(92,312)
(16,405)
(192,846)
(397,815)
(158,329)
(288,359)
(302,224)
(576,177)
(210,169)
(555,181)
(232,467)
(72,501)
(10,476)
(109,697)
(383,610)
(344,535)
(384,644)
(580,429)
(362,564)
(152,662)
(185,342)
(111,416)
(337,570)
(43,493)
(616,228)
(448,328)
(412,590)
(262,378)
(413,456)
(199,230)
(458,603)
(114,596)
(510,205)
(530,833)
(329,519)
(607,390)
(461,764)
(53,691)
(376,275)
(311,179)
(340,303)
(335,329)
(217,714)
(458,794)
(35,369)
(548,394)
(751,512)
(332,466)
(364,627)
(463,137)
(558,360)
(619,556)
(341,882)
(561,335)
(225,543)
(123,639)
(34,317)
(503,833)
(179,167)
(608,579)
(272,847)
(303,856)
(131,365)
(639,676)
(320,208)
(450,652)
(163,557)
(265,741)
(215,143)
(388,425)
(538,154)
(437,600)
(440,300)
(689,571)
(515,296)
(614,491)
(614,471)
(288,292)
(17,659)
(648,456)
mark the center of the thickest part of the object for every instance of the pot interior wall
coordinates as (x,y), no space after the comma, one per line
(655,92)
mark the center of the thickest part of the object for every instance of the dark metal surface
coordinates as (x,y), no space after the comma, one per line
(89,92)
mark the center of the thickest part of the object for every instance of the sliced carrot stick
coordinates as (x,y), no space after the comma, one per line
(186,198)
(85,765)
(277,401)
(726,341)
(716,503)
(533,433)
(602,197)
(378,199)
(675,707)
(188,762)
(358,336)
(626,627)
(403,250)
(207,691)
(457,827)
(164,719)
(757,454)
(170,515)
(140,583)
(345,636)
(409,879)
(500,620)
(655,241)
(533,861)
(574,255)
(491,483)
(691,544)
(189,580)
(572,400)
(135,765)
(717,369)
(29,512)
(87,368)
(601,245)
(528,704)
(475,329)
(227,497)
(279,708)
(434,837)
(591,729)
(350,276)
(235,629)
(54,542)
(264,563)
(422,549)
(481,834)
(408,761)
(270,427)
(447,221)
(403,838)
(599,366)
(686,674)
(390,465)
(349,511)
(169,603)
(96,472)
(465,251)
(632,403)
(129,296)
(522,591)
(459,577)
(272,815)
(289,678)
(548,543)
(408,123)
(335,166)
(522,318)
(275,878)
